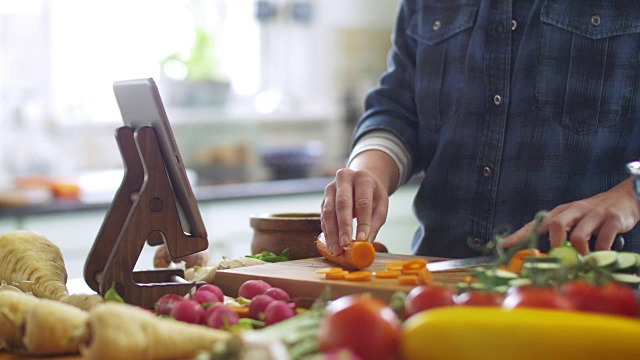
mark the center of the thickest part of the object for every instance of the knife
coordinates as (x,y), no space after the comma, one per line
(461,264)
(466,263)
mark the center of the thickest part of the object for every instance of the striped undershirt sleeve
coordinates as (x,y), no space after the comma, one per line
(390,144)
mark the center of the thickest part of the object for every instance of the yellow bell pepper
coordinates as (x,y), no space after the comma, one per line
(476,333)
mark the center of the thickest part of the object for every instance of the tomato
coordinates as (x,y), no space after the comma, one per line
(479,298)
(621,299)
(362,324)
(536,297)
(611,298)
(425,297)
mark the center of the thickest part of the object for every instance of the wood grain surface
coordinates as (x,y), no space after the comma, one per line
(299,278)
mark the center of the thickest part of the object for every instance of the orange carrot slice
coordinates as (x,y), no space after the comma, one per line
(388,274)
(408,279)
(336,275)
(242,311)
(412,264)
(358,276)
(394,265)
(425,277)
(325,270)
(356,255)
(412,271)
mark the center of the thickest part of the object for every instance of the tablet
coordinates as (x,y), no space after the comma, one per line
(140,105)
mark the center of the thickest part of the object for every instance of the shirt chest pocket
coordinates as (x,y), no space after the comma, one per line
(440,30)
(587,62)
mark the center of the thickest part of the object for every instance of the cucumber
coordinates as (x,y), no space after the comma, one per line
(538,269)
(628,262)
(630,280)
(567,254)
(607,259)
(497,277)
(520,282)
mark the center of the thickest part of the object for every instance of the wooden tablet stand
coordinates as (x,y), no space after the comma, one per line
(144,209)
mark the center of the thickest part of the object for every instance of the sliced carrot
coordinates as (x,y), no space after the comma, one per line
(362,275)
(412,271)
(394,265)
(413,264)
(408,279)
(325,270)
(470,279)
(515,265)
(388,274)
(336,275)
(242,311)
(526,253)
(425,277)
(356,255)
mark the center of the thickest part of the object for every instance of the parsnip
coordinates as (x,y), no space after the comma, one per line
(39,326)
(52,327)
(83,301)
(208,273)
(34,264)
(120,331)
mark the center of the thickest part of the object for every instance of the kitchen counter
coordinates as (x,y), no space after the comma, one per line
(204,194)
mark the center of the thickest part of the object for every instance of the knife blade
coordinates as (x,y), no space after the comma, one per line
(460,264)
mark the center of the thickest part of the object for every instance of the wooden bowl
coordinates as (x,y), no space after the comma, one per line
(296,231)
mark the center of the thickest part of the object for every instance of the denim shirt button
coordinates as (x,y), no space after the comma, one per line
(436,25)
(487,172)
(497,99)
(595,20)
(514,25)
(475,243)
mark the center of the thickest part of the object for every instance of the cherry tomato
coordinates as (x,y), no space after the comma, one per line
(425,297)
(536,297)
(479,298)
(611,298)
(621,299)
(364,325)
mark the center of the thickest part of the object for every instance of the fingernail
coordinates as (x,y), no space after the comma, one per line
(362,236)
(344,240)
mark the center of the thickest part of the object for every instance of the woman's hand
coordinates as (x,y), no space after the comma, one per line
(603,216)
(360,192)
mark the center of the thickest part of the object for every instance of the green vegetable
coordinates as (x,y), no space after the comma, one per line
(268,256)
(112,294)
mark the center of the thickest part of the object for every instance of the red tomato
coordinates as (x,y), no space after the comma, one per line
(424,297)
(610,299)
(479,298)
(536,297)
(621,299)
(362,324)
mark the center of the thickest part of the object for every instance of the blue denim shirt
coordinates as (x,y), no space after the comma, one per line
(509,108)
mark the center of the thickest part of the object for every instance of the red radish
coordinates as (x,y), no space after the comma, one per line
(204,296)
(189,311)
(214,289)
(166,303)
(277,311)
(257,306)
(220,317)
(277,293)
(251,288)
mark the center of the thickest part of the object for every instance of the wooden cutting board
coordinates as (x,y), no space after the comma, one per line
(299,278)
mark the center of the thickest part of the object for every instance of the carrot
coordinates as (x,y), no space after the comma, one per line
(408,279)
(388,274)
(358,276)
(325,270)
(413,264)
(34,264)
(336,275)
(242,311)
(394,265)
(356,255)
(425,277)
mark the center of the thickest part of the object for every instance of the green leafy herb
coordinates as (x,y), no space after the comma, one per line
(268,256)
(112,294)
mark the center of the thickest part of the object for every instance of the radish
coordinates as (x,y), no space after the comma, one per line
(189,311)
(278,294)
(214,289)
(166,303)
(251,288)
(204,296)
(276,311)
(257,306)
(220,316)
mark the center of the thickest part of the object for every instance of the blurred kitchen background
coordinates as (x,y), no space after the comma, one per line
(256,91)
